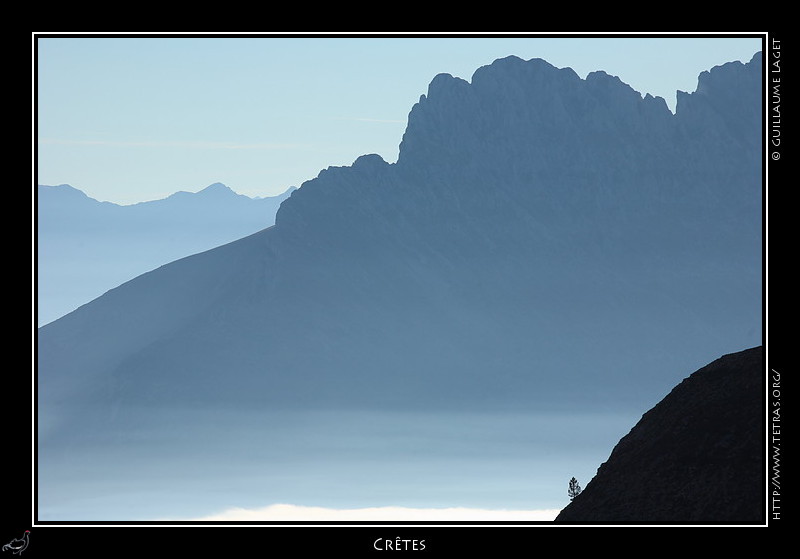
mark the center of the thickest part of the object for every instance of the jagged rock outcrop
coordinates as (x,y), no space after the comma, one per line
(696,457)
(541,241)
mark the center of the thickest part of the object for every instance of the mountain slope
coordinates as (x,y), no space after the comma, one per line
(542,241)
(86,247)
(696,457)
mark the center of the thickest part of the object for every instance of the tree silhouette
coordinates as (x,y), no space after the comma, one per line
(574,489)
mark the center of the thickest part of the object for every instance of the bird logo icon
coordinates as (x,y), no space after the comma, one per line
(18,545)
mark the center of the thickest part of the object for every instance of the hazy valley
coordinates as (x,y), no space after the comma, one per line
(472,324)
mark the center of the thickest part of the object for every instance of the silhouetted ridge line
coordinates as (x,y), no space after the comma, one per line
(696,457)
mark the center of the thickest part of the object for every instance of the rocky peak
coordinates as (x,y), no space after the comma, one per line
(216,189)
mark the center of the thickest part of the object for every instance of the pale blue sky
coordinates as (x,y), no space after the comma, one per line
(138,118)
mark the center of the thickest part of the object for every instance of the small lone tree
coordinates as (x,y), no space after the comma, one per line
(574,489)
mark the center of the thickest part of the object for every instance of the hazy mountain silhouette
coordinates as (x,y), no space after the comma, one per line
(86,247)
(543,242)
(696,457)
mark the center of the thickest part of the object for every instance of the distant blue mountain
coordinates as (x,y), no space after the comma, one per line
(543,244)
(86,247)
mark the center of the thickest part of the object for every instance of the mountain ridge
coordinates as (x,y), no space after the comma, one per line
(522,220)
(86,246)
(214,188)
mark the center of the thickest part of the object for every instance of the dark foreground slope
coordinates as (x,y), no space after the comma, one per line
(696,457)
